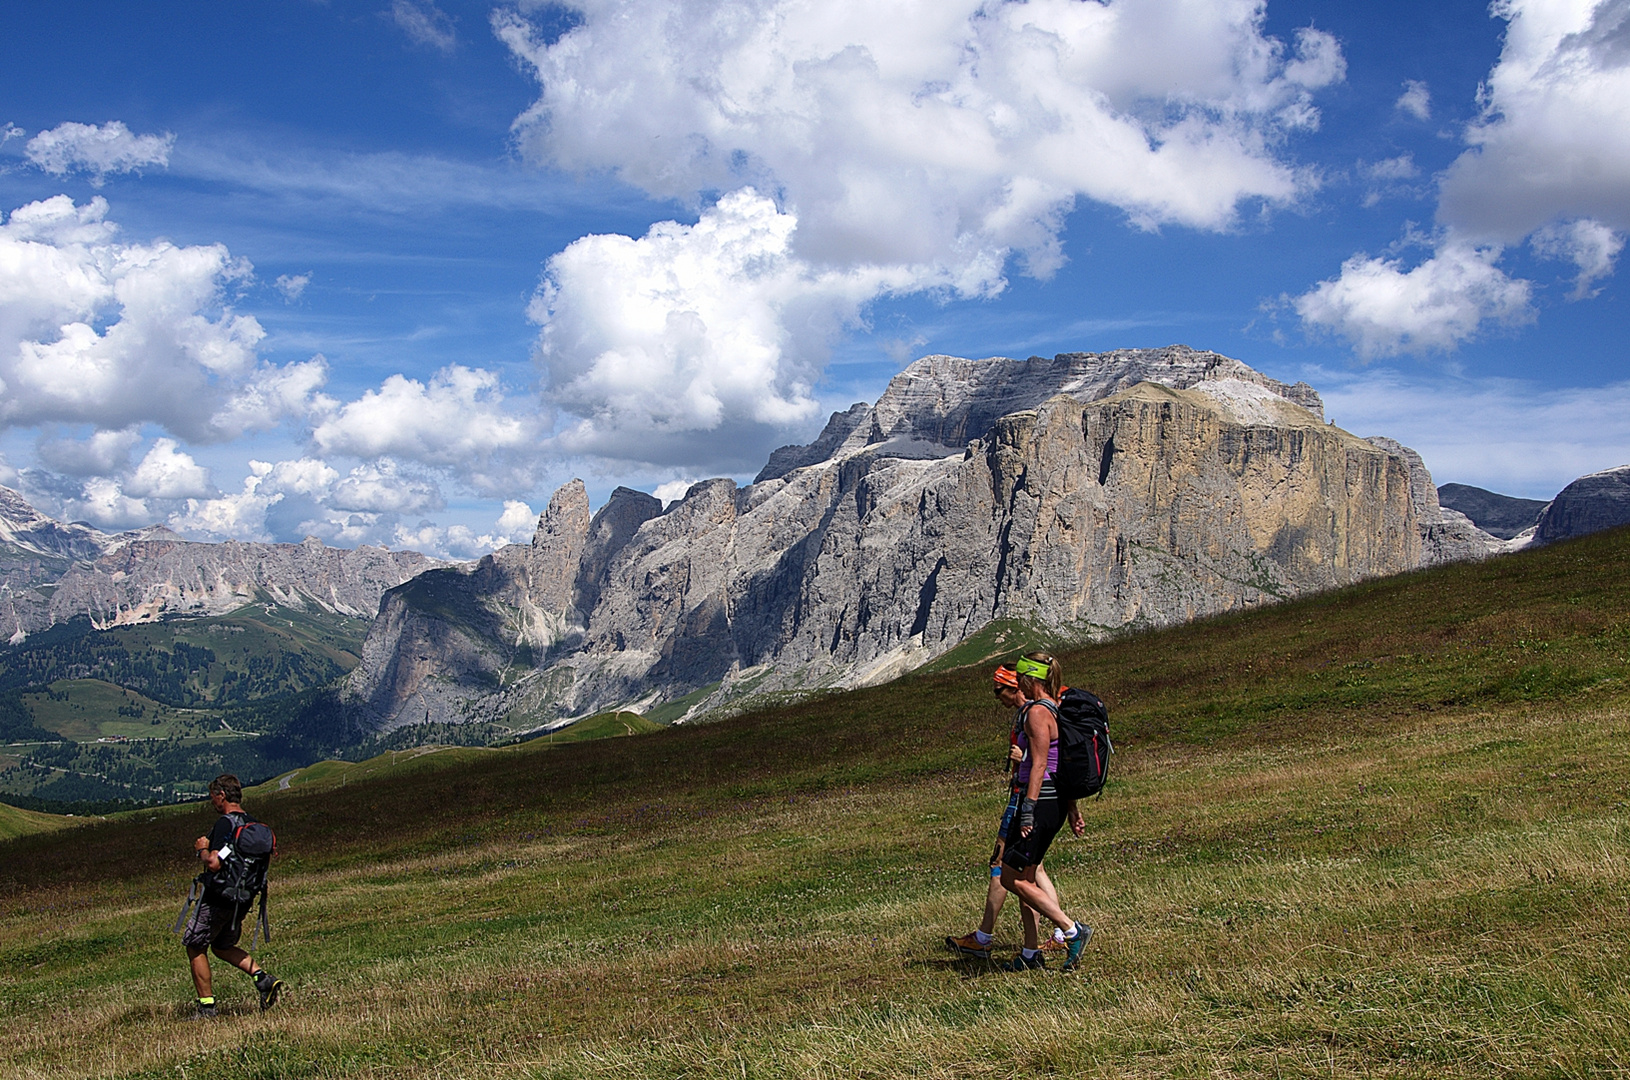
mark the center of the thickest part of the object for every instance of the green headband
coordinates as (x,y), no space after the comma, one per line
(1035,669)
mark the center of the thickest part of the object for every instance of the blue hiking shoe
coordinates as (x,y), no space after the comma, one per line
(1074,946)
(1034,963)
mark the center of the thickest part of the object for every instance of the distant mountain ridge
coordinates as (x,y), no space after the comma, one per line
(51,573)
(1072,495)
(1500,515)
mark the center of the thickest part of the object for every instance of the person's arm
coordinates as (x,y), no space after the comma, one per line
(210,858)
(1078,823)
(209,847)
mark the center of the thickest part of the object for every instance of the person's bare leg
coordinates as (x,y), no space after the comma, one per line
(1032,926)
(995,897)
(1047,883)
(200,971)
(1034,896)
(237,957)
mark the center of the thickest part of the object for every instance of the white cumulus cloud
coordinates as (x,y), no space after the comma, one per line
(1383,308)
(269,393)
(690,327)
(98,150)
(380,487)
(458,420)
(866,150)
(518,522)
(288,500)
(292,286)
(1416,100)
(1548,161)
(95,331)
(104,504)
(1589,245)
(672,491)
(167,472)
(1553,141)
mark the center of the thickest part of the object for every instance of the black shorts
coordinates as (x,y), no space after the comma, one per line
(1027,851)
(219,925)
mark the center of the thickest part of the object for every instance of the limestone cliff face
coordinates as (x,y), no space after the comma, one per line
(1446,535)
(1079,494)
(453,637)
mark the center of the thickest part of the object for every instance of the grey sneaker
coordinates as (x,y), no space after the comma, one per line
(203,1012)
(269,988)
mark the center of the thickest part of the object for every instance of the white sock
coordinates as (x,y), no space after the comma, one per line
(981,937)
(1075,928)
(1030,954)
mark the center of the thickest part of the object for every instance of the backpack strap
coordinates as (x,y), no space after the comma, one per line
(260,925)
(196,892)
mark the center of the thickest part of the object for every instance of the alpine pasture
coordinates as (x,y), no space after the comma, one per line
(1380,832)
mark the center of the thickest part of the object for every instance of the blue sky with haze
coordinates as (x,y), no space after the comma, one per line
(392,271)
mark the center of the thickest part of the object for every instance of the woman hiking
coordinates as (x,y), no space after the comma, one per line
(1005,683)
(1041,814)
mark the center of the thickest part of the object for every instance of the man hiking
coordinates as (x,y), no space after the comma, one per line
(1041,814)
(1005,683)
(217,922)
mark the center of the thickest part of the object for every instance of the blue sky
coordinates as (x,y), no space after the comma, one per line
(391,271)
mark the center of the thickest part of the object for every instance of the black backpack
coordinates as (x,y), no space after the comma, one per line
(244,862)
(1083,744)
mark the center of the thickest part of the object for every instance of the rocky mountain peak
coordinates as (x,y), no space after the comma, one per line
(939,403)
(1076,494)
(1599,500)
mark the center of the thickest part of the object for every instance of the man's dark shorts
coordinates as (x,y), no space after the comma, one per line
(219,925)
(1029,850)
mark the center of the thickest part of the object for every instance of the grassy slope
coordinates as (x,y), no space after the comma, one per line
(1380,832)
(16,822)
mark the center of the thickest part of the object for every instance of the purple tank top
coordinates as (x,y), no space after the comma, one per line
(1023,774)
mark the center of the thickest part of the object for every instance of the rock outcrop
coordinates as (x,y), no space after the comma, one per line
(1591,503)
(51,573)
(1079,494)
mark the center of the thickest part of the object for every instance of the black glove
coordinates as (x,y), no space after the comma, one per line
(1027,813)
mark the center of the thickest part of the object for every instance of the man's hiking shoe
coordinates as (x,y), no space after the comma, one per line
(1052,945)
(1034,963)
(269,989)
(967,945)
(203,1012)
(1073,946)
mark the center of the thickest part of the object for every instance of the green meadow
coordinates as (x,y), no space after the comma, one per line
(1380,832)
